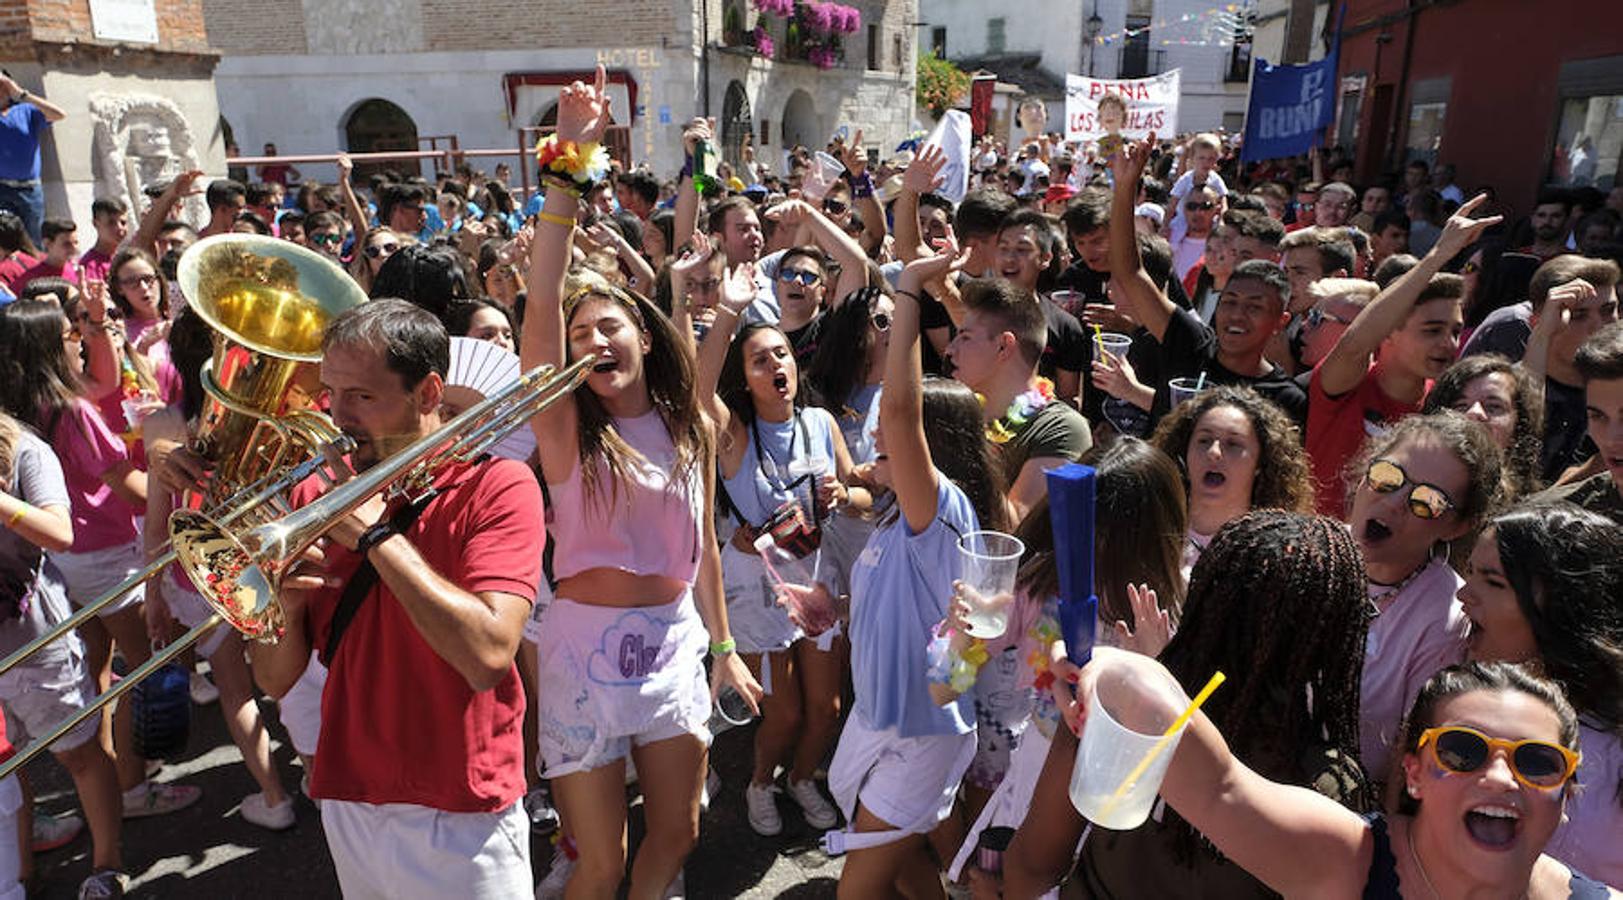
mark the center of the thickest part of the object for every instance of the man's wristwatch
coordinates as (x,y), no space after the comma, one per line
(376,535)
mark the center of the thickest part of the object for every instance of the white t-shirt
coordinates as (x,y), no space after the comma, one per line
(1181,189)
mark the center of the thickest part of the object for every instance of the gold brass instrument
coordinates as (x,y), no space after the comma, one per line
(239,571)
(268,302)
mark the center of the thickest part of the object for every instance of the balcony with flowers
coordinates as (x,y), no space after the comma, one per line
(805,31)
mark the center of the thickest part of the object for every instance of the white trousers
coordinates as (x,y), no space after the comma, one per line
(401,851)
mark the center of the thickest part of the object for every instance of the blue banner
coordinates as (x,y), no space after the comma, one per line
(1291,105)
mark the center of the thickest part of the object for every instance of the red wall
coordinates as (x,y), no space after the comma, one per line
(1504,57)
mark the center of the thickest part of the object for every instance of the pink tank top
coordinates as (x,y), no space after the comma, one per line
(645,523)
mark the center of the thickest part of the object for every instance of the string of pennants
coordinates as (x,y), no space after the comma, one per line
(1214,27)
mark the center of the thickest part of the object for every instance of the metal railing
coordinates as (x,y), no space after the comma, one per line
(1137,60)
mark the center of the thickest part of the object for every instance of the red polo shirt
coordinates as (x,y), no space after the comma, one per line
(399,724)
(1337,428)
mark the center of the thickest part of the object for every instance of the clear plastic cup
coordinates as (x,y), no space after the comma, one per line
(1130,708)
(1115,344)
(1184,389)
(991,561)
(1070,301)
(732,708)
(825,170)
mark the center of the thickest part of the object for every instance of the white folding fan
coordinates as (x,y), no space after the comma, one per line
(479,368)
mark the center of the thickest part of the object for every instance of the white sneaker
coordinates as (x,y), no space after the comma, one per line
(276,818)
(819,812)
(763,809)
(203,690)
(552,886)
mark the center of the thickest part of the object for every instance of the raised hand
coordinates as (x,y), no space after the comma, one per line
(695,257)
(346,167)
(923,174)
(854,157)
(583,111)
(1127,164)
(738,289)
(696,130)
(1461,231)
(948,258)
(1152,627)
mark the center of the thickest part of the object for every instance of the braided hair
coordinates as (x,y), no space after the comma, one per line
(1277,602)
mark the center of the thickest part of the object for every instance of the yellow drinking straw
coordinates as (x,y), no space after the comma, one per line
(1160,745)
(1099,339)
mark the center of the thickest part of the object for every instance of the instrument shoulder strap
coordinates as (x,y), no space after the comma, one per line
(365,578)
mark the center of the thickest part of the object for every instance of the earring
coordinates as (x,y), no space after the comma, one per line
(1413,792)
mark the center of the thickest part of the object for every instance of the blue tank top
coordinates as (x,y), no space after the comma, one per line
(782,461)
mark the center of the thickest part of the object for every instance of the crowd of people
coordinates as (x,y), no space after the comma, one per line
(1358,447)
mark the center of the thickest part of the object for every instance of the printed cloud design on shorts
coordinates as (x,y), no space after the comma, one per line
(635,646)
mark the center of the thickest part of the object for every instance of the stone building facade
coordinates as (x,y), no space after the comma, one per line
(316,76)
(135,78)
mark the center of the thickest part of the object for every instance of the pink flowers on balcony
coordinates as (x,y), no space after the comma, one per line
(783,8)
(831,18)
(763,42)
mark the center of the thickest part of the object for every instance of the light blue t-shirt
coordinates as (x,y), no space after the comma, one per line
(801,446)
(900,588)
(859,422)
(764,308)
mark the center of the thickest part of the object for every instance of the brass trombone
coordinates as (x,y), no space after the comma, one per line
(238,571)
(268,303)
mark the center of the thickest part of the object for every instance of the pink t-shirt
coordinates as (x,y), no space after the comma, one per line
(88,448)
(1590,838)
(95,265)
(1420,629)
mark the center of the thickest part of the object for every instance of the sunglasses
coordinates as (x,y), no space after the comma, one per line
(147,280)
(1199,205)
(804,276)
(834,207)
(1537,764)
(373,251)
(1426,501)
(326,239)
(1316,317)
(881,321)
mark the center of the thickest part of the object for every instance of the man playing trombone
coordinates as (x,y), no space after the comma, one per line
(420,762)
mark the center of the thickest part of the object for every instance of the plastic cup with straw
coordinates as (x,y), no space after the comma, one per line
(1125,752)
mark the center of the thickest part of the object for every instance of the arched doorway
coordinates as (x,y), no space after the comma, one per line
(375,125)
(800,123)
(736,125)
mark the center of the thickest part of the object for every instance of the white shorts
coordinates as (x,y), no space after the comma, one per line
(92,575)
(398,851)
(190,609)
(612,678)
(300,708)
(909,782)
(757,622)
(44,691)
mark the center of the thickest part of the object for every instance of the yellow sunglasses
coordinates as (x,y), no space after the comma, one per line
(1537,764)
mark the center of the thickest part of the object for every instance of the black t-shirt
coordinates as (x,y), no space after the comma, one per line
(1189,347)
(1067,343)
(804,340)
(933,315)
(1091,285)
(1566,429)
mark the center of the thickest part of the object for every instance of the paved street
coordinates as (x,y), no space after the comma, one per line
(208,851)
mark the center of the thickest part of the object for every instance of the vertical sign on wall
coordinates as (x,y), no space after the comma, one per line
(124,21)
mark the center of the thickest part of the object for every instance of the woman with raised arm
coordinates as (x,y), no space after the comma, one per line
(629,461)
(780,461)
(901,756)
(1488,756)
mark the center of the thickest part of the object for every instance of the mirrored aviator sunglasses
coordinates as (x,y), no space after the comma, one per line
(1426,501)
(1537,764)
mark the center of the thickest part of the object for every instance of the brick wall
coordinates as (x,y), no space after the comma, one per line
(255,27)
(180,23)
(521,24)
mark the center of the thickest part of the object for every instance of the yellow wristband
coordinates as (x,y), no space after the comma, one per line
(554,218)
(17,516)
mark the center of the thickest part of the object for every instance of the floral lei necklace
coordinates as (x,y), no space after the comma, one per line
(1020,413)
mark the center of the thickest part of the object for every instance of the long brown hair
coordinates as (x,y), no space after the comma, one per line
(1282,480)
(10,430)
(668,370)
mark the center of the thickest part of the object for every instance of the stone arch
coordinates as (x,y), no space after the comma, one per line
(800,122)
(374,125)
(736,123)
